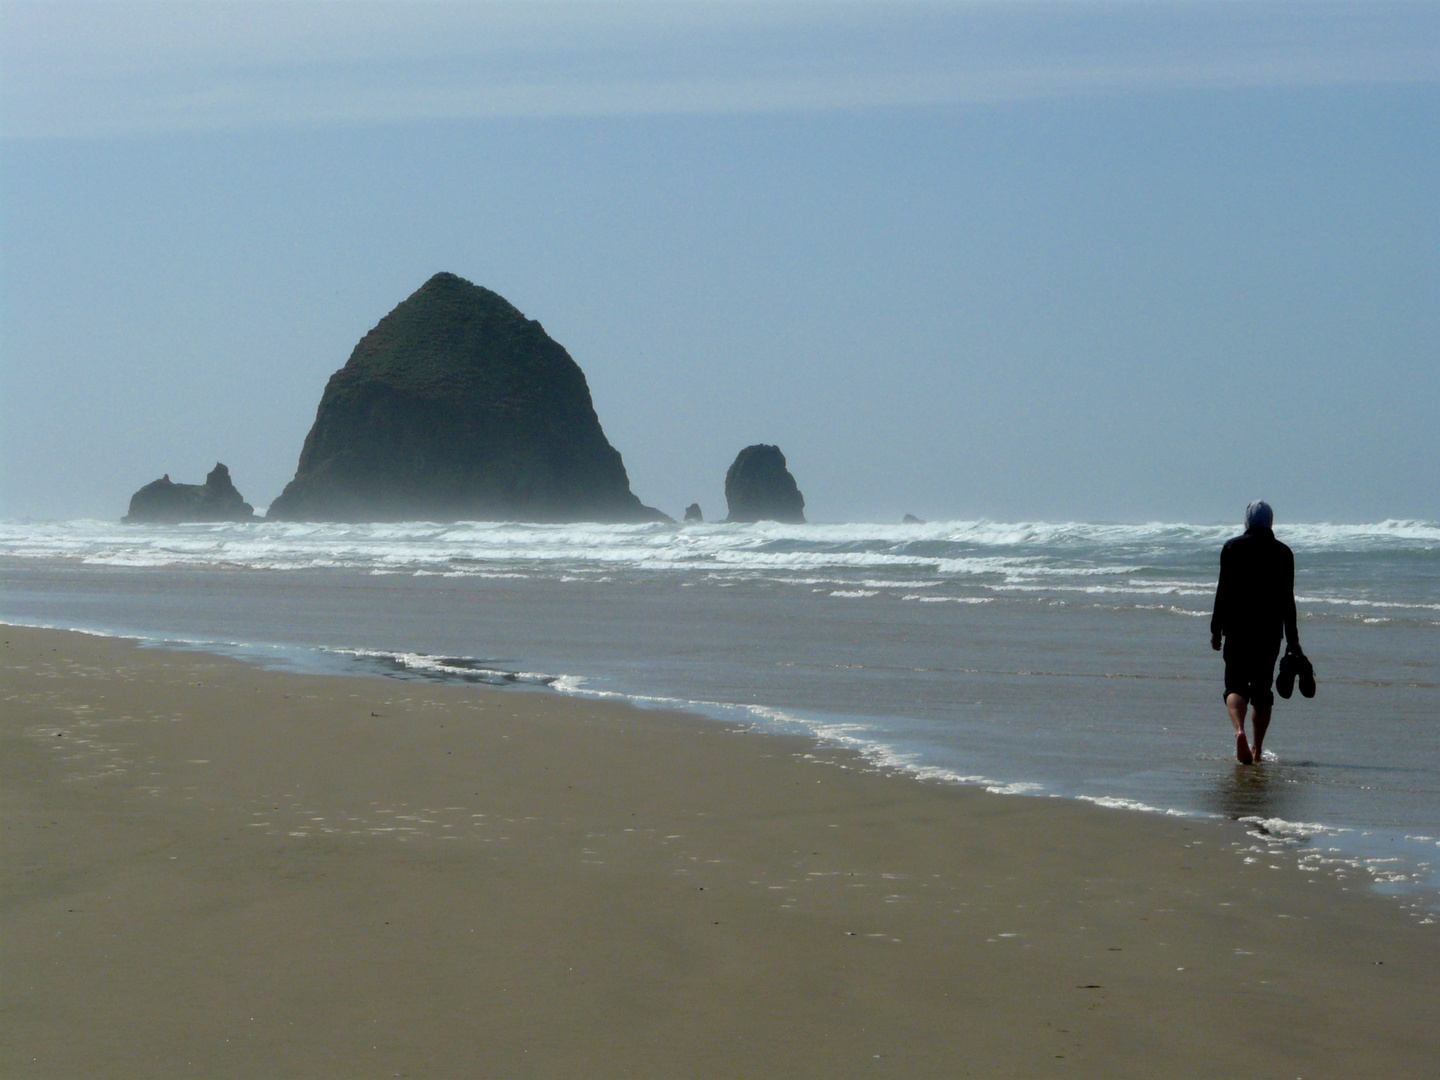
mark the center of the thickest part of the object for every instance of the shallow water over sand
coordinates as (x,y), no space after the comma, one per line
(1064,659)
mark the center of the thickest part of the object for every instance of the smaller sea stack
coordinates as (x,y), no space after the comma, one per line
(759,487)
(165,502)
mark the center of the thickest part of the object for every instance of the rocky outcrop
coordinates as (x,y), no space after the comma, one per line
(759,487)
(911,519)
(692,513)
(164,501)
(457,406)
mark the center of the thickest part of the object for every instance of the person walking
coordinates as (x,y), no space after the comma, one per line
(1254,607)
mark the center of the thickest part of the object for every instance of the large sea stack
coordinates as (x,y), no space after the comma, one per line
(759,487)
(456,406)
(164,501)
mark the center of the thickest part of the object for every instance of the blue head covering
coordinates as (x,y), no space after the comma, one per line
(1258,515)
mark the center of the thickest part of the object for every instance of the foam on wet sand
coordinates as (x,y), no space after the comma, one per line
(214,870)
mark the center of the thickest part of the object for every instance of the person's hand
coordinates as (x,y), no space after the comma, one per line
(1215,642)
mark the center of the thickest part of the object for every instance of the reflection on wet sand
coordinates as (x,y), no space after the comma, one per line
(1263,790)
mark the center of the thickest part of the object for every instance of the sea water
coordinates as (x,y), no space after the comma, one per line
(1048,659)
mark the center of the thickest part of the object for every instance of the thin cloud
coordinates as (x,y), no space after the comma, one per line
(106,69)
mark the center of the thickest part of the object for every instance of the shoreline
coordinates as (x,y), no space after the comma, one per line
(213,869)
(1414,885)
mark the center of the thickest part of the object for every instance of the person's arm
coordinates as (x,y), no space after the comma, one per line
(1217,620)
(1292,631)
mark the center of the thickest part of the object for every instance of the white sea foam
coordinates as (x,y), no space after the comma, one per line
(949,599)
(460,668)
(1026,550)
(1292,830)
(87,631)
(1367,603)
(1173,610)
(956,562)
(1111,802)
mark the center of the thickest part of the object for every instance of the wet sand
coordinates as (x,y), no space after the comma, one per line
(211,870)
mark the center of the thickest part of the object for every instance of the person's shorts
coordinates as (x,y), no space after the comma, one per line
(1250,676)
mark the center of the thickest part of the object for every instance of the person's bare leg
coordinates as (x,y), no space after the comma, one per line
(1235,706)
(1260,721)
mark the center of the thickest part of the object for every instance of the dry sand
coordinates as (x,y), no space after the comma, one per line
(214,871)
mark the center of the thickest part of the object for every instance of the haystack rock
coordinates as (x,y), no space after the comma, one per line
(911,519)
(165,501)
(456,406)
(758,487)
(692,513)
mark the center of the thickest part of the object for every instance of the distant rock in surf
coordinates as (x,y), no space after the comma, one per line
(692,513)
(167,502)
(759,487)
(456,406)
(911,519)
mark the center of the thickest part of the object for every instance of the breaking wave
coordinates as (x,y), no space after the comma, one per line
(968,561)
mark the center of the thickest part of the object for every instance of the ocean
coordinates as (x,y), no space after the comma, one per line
(1040,659)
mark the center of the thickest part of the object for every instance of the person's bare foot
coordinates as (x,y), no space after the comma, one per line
(1242,749)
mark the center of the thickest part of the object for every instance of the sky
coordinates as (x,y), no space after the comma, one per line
(1012,260)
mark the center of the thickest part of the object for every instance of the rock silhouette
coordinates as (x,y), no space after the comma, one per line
(911,519)
(167,502)
(456,406)
(759,487)
(692,513)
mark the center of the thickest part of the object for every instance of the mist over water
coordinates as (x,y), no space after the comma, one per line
(1049,658)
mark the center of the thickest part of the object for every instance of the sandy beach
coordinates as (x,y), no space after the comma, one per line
(213,870)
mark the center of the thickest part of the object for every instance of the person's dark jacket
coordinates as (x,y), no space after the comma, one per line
(1255,600)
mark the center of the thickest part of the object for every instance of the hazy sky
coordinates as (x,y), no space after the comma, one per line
(1012,260)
